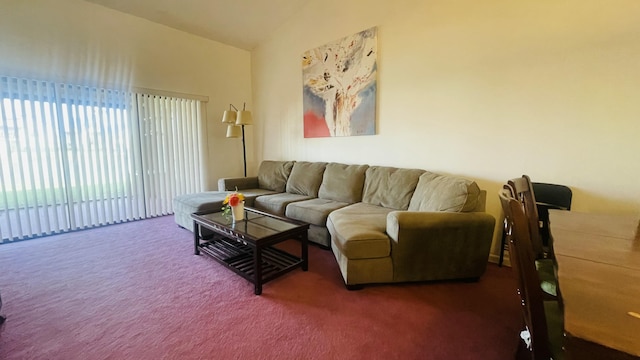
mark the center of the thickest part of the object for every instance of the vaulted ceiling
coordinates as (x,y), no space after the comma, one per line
(239,23)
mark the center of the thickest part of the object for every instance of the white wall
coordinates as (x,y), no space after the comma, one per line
(82,43)
(488,90)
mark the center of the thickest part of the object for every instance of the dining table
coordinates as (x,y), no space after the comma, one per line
(598,270)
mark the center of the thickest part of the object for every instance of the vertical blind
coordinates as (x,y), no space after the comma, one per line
(74,157)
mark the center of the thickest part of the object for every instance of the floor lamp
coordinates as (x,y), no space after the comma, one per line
(236,120)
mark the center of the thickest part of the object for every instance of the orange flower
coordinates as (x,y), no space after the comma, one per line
(233,199)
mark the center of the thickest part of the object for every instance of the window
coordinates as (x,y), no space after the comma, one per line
(75,157)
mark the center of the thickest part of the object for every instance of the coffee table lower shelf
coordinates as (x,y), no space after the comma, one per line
(240,258)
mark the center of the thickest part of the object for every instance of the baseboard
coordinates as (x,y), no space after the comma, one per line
(493,258)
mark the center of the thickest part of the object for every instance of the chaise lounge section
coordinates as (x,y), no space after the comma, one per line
(438,231)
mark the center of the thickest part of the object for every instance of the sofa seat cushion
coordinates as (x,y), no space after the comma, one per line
(250,195)
(210,201)
(436,192)
(277,203)
(358,231)
(313,211)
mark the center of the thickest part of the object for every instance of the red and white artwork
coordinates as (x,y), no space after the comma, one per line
(339,90)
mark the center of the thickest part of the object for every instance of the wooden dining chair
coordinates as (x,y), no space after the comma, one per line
(524,193)
(542,336)
(521,190)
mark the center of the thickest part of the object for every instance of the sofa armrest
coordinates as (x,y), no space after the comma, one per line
(231,184)
(439,245)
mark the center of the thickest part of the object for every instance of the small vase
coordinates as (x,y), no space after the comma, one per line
(238,211)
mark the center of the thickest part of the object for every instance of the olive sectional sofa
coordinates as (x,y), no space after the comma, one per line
(383,224)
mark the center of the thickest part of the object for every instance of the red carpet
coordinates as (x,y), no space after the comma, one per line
(136,291)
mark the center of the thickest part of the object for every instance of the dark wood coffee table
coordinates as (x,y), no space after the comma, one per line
(246,246)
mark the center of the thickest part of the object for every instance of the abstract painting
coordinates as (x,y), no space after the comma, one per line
(339,87)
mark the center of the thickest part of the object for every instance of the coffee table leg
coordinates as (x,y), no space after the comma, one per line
(305,251)
(196,237)
(257,269)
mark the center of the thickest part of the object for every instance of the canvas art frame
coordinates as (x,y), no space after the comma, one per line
(340,86)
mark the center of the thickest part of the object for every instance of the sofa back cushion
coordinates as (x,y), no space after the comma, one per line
(305,178)
(273,175)
(342,182)
(390,187)
(437,192)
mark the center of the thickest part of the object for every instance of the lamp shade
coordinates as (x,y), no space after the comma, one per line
(229,117)
(244,118)
(233,131)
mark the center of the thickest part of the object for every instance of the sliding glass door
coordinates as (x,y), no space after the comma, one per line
(74,157)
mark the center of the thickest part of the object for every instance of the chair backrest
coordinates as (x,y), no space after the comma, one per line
(523,264)
(553,195)
(524,193)
(550,196)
